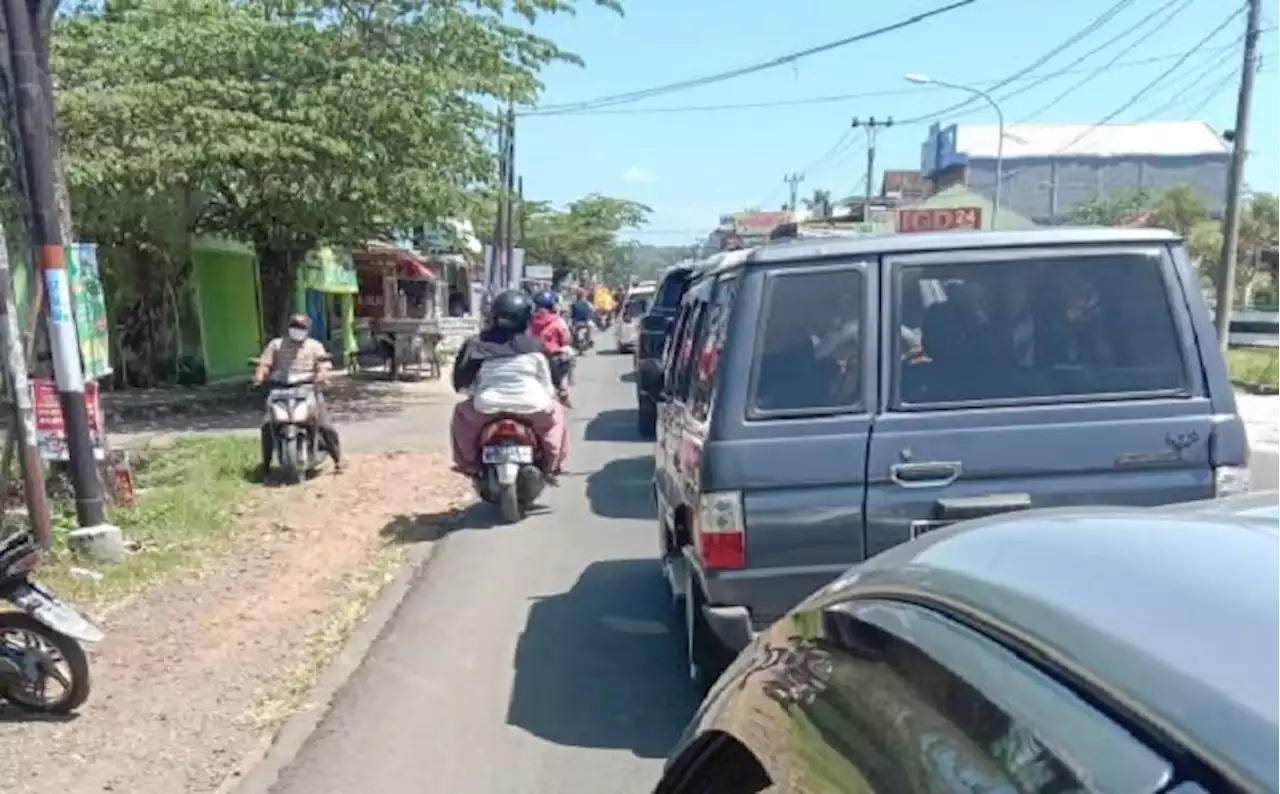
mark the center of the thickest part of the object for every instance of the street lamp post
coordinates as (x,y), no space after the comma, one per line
(922,79)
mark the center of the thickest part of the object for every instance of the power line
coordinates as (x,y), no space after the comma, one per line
(1070,41)
(1180,90)
(684,85)
(833,98)
(1213,93)
(1107,65)
(1133,100)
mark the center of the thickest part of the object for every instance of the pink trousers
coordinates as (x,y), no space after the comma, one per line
(468,423)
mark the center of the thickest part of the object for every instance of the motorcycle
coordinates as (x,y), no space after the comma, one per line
(511,476)
(582,337)
(51,634)
(291,418)
(604,320)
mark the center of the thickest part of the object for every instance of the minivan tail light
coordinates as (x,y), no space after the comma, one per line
(721,531)
(1230,481)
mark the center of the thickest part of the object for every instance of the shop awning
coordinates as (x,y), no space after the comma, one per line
(408,267)
(326,270)
(407,264)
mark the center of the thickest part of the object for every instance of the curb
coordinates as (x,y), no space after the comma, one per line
(1252,387)
(261,771)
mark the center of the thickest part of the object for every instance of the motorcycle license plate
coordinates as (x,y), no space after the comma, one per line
(508,454)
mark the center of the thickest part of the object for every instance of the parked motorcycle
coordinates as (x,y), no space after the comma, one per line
(582,337)
(512,476)
(40,640)
(291,417)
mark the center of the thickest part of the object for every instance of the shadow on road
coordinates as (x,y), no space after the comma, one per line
(410,529)
(622,488)
(601,665)
(615,425)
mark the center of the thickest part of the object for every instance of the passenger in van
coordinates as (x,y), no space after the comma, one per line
(792,374)
(948,370)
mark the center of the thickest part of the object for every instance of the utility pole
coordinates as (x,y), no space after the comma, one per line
(497,248)
(509,190)
(24,415)
(793,184)
(34,124)
(873,127)
(1226,291)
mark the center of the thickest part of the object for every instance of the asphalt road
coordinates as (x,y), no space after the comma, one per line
(542,657)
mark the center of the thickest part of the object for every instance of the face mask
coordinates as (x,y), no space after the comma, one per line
(297,334)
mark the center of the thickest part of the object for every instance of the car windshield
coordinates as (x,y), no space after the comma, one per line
(638,305)
(809,351)
(1015,330)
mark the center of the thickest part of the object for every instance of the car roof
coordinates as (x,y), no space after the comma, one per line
(1172,612)
(807,249)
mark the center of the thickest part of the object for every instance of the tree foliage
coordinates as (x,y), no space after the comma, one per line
(583,236)
(286,124)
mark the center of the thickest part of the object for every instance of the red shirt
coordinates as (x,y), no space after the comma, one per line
(552,330)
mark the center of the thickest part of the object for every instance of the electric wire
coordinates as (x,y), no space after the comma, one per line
(1182,5)
(684,85)
(1178,95)
(1146,89)
(1075,38)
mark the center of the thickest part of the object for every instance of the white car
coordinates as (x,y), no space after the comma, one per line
(634,306)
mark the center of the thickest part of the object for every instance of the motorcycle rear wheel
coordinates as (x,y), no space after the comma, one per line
(76,690)
(509,504)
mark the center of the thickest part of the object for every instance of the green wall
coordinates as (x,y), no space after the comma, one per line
(230,318)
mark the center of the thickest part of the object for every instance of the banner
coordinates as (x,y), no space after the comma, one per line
(89,307)
(51,434)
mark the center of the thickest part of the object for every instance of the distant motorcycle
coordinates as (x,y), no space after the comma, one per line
(38,641)
(604,320)
(512,475)
(582,338)
(291,418)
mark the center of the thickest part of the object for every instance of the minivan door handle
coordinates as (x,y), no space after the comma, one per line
(936,474)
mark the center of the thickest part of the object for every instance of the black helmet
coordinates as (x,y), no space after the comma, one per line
(511,310)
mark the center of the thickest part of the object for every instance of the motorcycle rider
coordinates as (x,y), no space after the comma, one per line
(507,370)
(553,332)
(604,305)
(297,354)
(581,312)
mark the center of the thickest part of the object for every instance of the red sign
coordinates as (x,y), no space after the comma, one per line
(969,218)
(50,433)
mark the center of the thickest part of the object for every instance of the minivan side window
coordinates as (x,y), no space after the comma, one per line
(708,360)
(682,350)
(1034,330)
(917,702)
(809,344)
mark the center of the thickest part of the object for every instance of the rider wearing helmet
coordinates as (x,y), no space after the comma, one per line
(507,371)
(553,332)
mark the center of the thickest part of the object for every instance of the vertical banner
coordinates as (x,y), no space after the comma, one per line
(89,306)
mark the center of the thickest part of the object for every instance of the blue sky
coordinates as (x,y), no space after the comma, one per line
(692,166)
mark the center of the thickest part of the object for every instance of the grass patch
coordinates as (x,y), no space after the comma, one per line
(1254,365)
(323,644)
(186,497)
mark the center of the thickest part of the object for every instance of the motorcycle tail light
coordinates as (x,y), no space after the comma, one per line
(504,430)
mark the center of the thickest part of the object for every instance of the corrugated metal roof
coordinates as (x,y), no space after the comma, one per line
(1163,138)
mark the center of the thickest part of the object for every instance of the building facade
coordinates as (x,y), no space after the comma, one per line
(1049,170)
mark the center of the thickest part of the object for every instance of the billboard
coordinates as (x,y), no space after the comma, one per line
(940,220)
(939,151)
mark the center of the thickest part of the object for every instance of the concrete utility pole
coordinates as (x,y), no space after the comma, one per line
(1226,291)
(793,185)
(34,124)
(509,190)
(873,127)
(494,275)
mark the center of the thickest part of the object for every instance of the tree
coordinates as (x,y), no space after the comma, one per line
(291,124)
(1179,209)
(1112,210)
(583,236)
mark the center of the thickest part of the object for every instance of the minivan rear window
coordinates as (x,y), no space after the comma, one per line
(637,306)
(809,349)
(1018,330)
(672,289)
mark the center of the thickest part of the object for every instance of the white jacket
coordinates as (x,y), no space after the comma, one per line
(516,385)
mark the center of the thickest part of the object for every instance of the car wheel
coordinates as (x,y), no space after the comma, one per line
(647,420)
(707,656)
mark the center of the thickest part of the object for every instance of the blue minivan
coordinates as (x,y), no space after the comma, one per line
(823,400)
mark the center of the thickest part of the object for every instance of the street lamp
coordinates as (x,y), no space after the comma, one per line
(924,79)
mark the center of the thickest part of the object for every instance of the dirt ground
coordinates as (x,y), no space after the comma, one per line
(193,677)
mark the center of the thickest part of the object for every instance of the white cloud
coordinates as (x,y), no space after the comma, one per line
(638,175)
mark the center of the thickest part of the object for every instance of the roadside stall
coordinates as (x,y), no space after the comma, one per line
(396,310)
(325,292)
